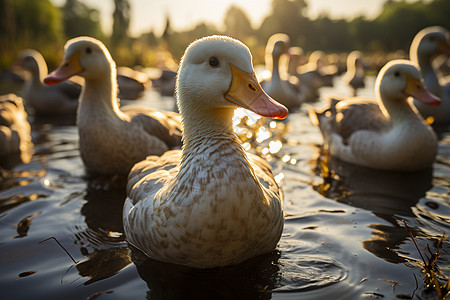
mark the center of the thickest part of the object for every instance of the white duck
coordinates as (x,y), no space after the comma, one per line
(354,75)
(112,139)
(211,203)
(314,75)
(427,45)
(278,86)
(45,100)
(388,135)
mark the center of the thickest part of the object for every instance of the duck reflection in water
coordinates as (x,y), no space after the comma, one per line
(252,279)
(102,242)
(389,195)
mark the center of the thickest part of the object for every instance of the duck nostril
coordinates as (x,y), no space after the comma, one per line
(252,87)
(66,65)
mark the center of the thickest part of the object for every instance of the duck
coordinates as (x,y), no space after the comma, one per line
(314,75)
(279,85)
(427,45)
(387,134)
(112,138)
(132,83)
(211,203)
(58,100)
(15,130)
(354,76)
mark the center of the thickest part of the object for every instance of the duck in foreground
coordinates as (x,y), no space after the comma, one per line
(209,204)
(112,139)
(426,46)
(388,135)
(45,100)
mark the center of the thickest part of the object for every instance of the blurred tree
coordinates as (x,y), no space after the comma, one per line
(149,38)
(400,21)
(237,23)
(180,40)
(167,35)
(30,24)
(7,22)
(121,23)
(440,10)
(363,33)
(327,34)
(122,46)
(39,21)
(79,19)
(287,16)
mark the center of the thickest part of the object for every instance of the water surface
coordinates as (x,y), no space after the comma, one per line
(344,236)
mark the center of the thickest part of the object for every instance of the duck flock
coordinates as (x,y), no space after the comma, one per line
(195,197)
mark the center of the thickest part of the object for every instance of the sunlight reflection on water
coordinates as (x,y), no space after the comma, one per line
(343,236)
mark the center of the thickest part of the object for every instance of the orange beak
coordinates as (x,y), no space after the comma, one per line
(68,68)
(417,90)
(246,92)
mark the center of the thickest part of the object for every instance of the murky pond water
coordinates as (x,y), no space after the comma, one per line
(344,235)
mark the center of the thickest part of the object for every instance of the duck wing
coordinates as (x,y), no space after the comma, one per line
(359,114)
(346,116)
(263,172)
(156,170)
(164,125)
(71,89)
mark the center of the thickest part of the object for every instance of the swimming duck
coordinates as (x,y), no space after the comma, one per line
(209,204)
(15,130)
(388,134)
(354,75)
(314,75)
(428,44)
(279,85)
(112,139)
(132,83)
(45,100)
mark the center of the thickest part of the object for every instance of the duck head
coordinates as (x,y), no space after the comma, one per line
(216,75)
(400,79)
(430,42)
(84,56)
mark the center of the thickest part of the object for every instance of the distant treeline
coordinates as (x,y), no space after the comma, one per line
(40,25)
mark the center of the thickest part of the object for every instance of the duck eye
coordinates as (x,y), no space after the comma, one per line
(214,61)
(397,74)
(88,50)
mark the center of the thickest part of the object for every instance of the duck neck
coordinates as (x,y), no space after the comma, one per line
(99,97)
(210,149)
(38,73)
(276,67)
(399,110)
(200,126)
(429,75)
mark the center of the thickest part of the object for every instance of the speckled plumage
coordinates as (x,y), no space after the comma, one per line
(211,203)
(388,135)
(113,139)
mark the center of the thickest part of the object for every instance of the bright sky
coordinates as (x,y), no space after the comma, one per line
(150,14)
